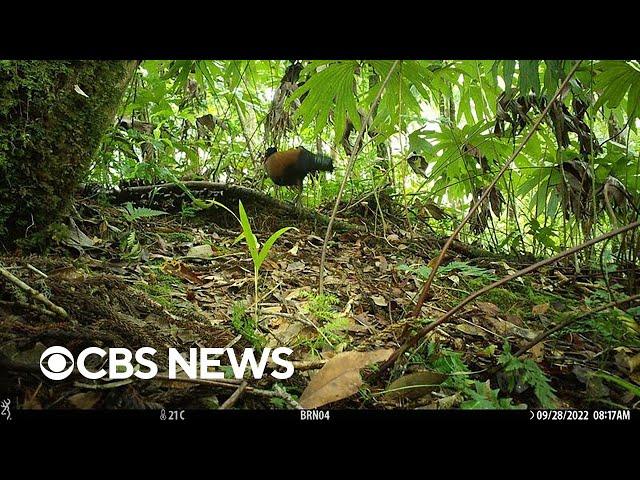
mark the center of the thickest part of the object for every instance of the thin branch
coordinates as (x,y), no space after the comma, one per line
(487,191)
(277,393)
(59,311)
(235,396)
(447,316)
(569,321)
(30,306)
(348,172)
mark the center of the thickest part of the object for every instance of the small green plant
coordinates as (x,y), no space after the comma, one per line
(246,326)
(470,275)
(130,246)
(331,332)
(526,373)
(450,363)
(258,256)
(628,386)
(188,210)
(131,213)
(486,398)
(178,237)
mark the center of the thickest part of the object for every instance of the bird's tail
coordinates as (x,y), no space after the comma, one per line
(314,162)
(324,162)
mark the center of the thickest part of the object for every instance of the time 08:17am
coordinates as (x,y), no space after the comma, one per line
(578,415)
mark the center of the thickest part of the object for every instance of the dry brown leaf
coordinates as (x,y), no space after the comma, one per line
(272,309)
(507,328)
(634,362)
(488,308)
(295,267)
(200,251)
(69,274)
(393,238)
(180,270)
(84,401)
(470,329)
(379,300)
(340,377)
(540,309)
(537,352)
(414,385)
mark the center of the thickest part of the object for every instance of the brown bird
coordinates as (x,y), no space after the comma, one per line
(288,168)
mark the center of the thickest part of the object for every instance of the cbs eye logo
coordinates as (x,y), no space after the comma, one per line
(59,364)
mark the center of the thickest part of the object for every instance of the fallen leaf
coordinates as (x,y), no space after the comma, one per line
(451,401)
(295,267)
(414,385)
(379,300)
(382,263)
(181,270)
(470,329)
(540,309)
(537,352)
(634,362)
(84,401)
(488,308)
(393,238)
(77,238)
(340,377)
(272,309)
(200,251)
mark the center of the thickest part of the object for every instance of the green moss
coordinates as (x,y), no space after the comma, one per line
(48,134)
(506,300)
(162,288)
(177,237)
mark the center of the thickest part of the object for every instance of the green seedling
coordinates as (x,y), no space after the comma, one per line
(257,255)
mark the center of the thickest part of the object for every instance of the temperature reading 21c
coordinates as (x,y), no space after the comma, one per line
(171,414)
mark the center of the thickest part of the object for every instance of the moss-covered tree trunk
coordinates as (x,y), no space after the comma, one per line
(52,117)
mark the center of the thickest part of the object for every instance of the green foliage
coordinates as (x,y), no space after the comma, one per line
(246,326)
(611,327)
(332,329)
(617,79)
(206,118)
(483,397)
(329,84)
(451,364)
(130,246)
(478,395)
(521,374)
(257,256)
(628,386)
(131,213)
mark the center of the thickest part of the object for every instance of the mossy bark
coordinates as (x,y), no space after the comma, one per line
(49,131)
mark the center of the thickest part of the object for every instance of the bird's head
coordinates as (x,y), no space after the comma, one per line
(270,151)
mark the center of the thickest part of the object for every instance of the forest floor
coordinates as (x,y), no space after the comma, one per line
(183,281)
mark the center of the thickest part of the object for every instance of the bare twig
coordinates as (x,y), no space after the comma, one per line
(563,325)
(569,321)
(39,272)
(487,191)
(347,172)
(447,316)
(31,306)
(229,383)
(59,311)
(235,396)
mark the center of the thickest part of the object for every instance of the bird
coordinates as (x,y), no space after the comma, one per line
(288,168)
